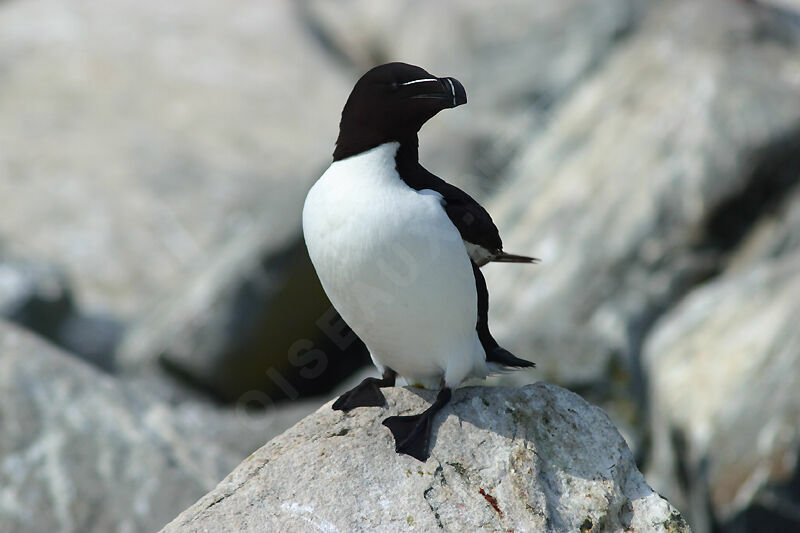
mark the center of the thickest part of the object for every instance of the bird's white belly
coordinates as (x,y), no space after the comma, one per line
(395,268)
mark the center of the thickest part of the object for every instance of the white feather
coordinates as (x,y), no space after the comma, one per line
(435,194)
(478,254)
(422,80)
(396,269)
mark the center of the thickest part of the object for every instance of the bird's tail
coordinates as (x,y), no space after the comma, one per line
(503,257)
(501,360)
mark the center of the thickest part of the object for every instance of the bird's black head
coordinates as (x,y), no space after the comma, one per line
(391,102)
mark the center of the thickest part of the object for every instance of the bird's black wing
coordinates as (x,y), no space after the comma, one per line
(502,358)
(468,216)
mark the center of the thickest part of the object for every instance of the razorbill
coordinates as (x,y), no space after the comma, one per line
(398,249)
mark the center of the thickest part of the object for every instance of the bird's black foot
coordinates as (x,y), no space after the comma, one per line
(365,394)
(412,434)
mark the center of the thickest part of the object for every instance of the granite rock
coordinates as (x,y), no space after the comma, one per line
(139,138)
(725,400)
(531,459)
(640,188)
(83,452)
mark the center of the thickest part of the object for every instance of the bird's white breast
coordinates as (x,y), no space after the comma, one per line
(395,267)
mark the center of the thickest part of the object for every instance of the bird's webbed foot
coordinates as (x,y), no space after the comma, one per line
(366,394)
(412,433)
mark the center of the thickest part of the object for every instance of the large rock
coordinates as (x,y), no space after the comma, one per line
(81,452)
(532,459)
(725,396)
(139,138)
(644,181)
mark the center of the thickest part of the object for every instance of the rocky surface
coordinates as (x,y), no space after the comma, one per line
(140,138)
(726,409)
(641,186)
(532,459)
(81,452)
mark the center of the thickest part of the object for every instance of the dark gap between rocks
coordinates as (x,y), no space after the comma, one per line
(775,173)
(56,316)
(775,508)
(273,348)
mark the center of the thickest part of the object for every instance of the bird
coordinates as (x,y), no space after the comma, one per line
(398,250)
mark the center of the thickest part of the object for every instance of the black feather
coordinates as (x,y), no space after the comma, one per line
(494,353)
(503,357)
(503,257)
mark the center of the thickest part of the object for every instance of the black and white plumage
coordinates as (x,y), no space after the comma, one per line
(480,235)
(398,249)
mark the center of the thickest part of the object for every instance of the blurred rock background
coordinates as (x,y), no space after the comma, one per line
(160,319)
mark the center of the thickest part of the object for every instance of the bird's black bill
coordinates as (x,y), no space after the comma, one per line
(449,91)
(457,90)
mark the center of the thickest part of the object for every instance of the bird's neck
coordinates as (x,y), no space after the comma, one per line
(350,145)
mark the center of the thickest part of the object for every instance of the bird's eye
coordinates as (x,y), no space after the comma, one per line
(394,85)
